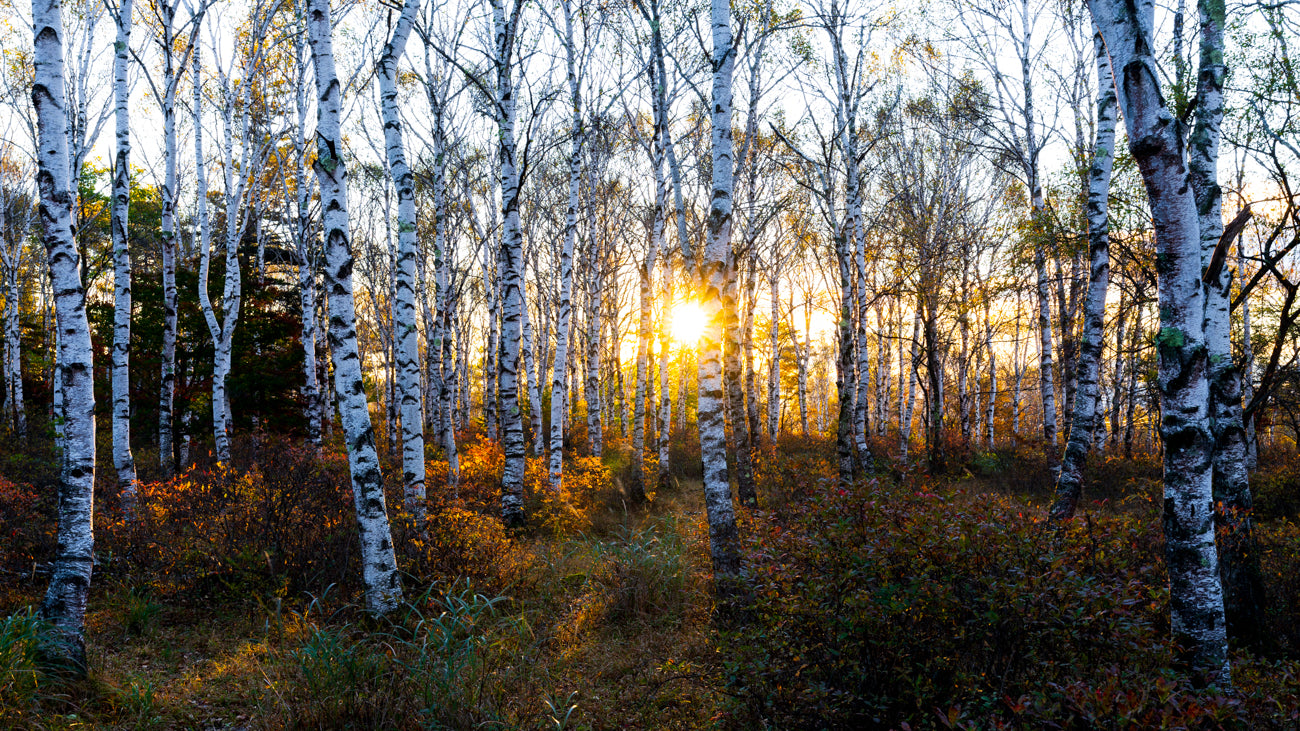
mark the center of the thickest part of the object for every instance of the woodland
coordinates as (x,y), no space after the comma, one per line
(646,364)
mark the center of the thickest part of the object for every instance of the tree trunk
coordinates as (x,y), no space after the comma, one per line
(724,540)
(746,491)
(167,234)
(1196,595)
(313,403)
(406,335)
(123,459)
(908,366)
(1069,484)
(774,349)
(382,582)
(1238,557)
(512,269)
(65,600)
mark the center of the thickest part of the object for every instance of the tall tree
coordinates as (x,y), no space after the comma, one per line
(1070,482)
(724,540)
(175,56)
(65,600)
(1239,562)
(123,459)
(378,562)
(404,314)
(511,257)
(1195,591)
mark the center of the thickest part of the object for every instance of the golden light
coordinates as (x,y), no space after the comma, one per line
(688,323)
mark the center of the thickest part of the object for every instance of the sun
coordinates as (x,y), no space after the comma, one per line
(688,323)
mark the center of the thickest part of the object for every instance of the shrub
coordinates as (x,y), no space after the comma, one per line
(26,526)
(882,605)
(278,519)
(464,544)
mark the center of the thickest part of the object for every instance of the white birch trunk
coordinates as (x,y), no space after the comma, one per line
(512,268)
(724,541)
(665,395)
(123,459)
(1238,557)
(65,600)
(313,403)
(442,353)
(167,233)
(559,383)
(804,354)
(1069,483)
(531,368)
(383,585)
(595,333)
(1196,594)
(406,335)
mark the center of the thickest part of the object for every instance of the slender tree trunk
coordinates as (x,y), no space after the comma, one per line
(746,491)
(774,349)
(1196,594)
(563,339)
(1117,386)
(1238,557)
(13,348)
(492,356)
(747,340)
(1248,372)
(724,540)
(1069,484)
(382,582)
(166,446)
(595,336)
(65,600)
(908,366)
(313,403)
(406,335)
(665,394)
(512,269)
(123,459)
(804,354)
(934,371)
(531,368)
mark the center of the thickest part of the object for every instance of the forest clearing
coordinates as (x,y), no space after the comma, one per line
(597,364)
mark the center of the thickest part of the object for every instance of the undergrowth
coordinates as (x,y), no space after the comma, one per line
(905,602)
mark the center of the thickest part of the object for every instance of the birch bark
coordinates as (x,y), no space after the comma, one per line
(512,266)
(1069,484)
(407,346)
(1196,594)
(1238,559)
(383,585)
(123,459)
(65,599)
(724,541)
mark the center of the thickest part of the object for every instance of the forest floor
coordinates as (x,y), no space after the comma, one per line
(907,602)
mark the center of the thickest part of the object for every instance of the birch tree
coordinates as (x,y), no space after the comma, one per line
(65,600)
(724,540)
(1020,135)
(17,214)
(1239,563)
(123,459)
(175,56)
(378,562)
(1195,591)
(404,314)
(511,257)
(1069,483)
